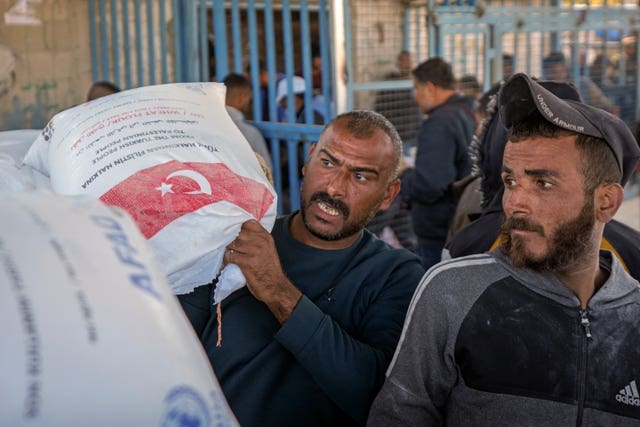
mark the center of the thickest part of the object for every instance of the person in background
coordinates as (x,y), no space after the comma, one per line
(238,100)
(299,89)
(299,109)
(628,77)
(507,66)
(316,69)
(469,87)
(468,189)
(554,67)
(442,156)
(262,96)
(100,89)
(307,341)
(602,72)
(544,331)
(399,105)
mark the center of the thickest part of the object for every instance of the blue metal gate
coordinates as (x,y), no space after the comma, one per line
(141,42)
(146,42)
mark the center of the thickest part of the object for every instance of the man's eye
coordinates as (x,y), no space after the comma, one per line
(544,184)
(326,162)
(508,182)
(360,177)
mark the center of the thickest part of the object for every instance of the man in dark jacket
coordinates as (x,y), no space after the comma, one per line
(545,330)
(307,342)
(441,158)
(483,234)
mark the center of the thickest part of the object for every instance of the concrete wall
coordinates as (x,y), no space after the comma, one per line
(45,60)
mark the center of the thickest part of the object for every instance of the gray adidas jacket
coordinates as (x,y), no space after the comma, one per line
(486,344)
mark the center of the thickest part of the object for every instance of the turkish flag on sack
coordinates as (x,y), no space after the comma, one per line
(171,157)
(158,195)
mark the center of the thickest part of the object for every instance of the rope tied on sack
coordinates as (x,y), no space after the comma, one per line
(219,318)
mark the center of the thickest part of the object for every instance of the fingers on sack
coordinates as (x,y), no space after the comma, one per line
(252,225)
(226,259)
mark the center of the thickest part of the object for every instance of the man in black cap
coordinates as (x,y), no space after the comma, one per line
(483,234)
(546,330)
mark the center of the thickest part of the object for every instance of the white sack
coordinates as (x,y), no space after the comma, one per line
(171,156)
(91,332)
(14,175)
(16,143)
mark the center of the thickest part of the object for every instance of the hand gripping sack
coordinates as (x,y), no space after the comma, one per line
(171,156)
(91,332)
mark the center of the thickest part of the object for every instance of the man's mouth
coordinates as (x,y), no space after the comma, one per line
(522,226)
(328,209)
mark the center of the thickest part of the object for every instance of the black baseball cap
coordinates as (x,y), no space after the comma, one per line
(522,96)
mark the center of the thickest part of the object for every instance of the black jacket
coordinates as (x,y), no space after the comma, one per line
(442,158)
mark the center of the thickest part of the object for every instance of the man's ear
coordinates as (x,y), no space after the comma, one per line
(608,199)
(246,100)
(431,86)
(390,194)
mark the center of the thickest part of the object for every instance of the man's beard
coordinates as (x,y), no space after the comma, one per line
(569,244)
(349,228)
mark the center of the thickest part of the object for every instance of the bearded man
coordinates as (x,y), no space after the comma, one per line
(307,342)
(546,330)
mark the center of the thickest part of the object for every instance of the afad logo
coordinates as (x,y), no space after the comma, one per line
(158,195)
(185,408)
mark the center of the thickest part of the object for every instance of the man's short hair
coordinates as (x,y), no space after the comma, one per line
(437,71)
(552,59)
(236,83)
(101,88)
(234,80)
(507,59)
(363,123)
(469,81)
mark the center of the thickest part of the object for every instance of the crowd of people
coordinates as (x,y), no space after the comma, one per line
(515,317)
(524,312)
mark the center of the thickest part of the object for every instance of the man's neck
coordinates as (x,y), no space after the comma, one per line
(584,278)
(235,109)
(443,95)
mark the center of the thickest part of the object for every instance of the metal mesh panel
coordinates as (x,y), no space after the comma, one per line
(131,42)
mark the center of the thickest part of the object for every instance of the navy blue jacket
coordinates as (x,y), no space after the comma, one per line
(324,366)
(442,157)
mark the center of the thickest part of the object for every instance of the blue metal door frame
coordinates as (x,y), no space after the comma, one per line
(127,35)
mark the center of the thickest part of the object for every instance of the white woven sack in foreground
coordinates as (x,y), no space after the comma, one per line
(91,332)
(171,156)
(14,175)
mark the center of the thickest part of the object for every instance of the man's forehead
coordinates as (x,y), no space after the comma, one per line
(338,133)
(546,152)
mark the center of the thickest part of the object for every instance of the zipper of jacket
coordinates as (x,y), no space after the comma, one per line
(582,367)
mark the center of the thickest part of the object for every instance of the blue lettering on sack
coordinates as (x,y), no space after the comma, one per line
(185,407)
(126,253)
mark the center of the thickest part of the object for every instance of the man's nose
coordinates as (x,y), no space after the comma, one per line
(337,186)
(516,200)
